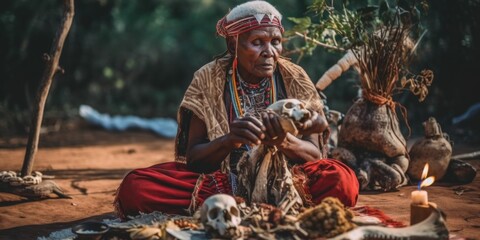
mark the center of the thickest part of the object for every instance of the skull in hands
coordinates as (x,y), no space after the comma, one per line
(292,111)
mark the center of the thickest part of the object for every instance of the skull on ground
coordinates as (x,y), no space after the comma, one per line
(220,215)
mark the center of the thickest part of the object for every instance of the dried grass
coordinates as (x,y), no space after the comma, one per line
(383,58)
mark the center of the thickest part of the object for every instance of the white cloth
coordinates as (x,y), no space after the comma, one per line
(164,127)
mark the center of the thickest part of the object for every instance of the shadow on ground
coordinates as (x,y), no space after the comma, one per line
(44,230)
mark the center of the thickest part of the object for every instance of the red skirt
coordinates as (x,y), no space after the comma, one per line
(172,188)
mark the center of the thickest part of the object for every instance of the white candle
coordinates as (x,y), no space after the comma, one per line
(419,197)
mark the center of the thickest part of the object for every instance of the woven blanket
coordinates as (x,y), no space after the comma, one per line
(364,215)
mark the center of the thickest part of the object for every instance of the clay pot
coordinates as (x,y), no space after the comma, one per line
(433,149)
(372,128)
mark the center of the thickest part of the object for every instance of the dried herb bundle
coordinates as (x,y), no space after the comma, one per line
(384,56)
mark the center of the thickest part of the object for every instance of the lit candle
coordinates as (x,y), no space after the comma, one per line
(420,208)
(420,197)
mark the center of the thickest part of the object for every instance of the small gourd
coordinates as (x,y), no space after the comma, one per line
(433,149)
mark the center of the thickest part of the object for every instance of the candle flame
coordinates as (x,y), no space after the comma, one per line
(425,171)
(427,182)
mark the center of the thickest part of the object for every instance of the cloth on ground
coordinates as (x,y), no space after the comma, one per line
(384,219)
(164,127)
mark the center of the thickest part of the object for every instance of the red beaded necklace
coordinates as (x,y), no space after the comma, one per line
(246,96)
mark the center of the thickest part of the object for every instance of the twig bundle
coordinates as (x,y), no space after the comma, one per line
(380,60)
(383,58)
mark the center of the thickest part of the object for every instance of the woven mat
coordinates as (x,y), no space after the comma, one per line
(364,215)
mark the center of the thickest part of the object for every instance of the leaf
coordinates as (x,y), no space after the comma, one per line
(303,22)
(318,7)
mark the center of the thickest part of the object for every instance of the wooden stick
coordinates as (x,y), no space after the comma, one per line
(467,155)
(51,69)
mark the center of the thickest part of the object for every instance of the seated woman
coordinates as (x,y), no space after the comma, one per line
(221,117)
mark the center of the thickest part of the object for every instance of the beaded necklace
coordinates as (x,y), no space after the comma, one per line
(247,97)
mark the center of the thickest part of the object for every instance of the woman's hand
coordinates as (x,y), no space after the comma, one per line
(298,150)
(274,133)
(317,123)
(246,130)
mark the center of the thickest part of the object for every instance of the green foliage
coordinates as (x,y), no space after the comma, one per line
(380,38)
(351,27)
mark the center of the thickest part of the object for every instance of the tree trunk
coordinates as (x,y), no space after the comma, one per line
(51,69)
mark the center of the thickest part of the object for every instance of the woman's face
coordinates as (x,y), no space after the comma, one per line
(258,51)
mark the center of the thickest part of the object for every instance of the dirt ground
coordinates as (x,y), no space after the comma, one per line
(89,163)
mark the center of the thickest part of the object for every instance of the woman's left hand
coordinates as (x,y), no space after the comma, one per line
(274,134)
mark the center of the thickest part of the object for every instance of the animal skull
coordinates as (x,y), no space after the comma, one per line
(220,214)
(290,108)
(292,111)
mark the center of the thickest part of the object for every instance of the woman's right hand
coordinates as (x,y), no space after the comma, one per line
(317,123)
(245,130)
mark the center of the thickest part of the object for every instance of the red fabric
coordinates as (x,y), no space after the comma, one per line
(331,178)
(166,187)
(246,24)
(386,220)
(169,187)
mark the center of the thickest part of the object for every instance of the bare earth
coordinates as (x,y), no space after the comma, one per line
(89,164)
